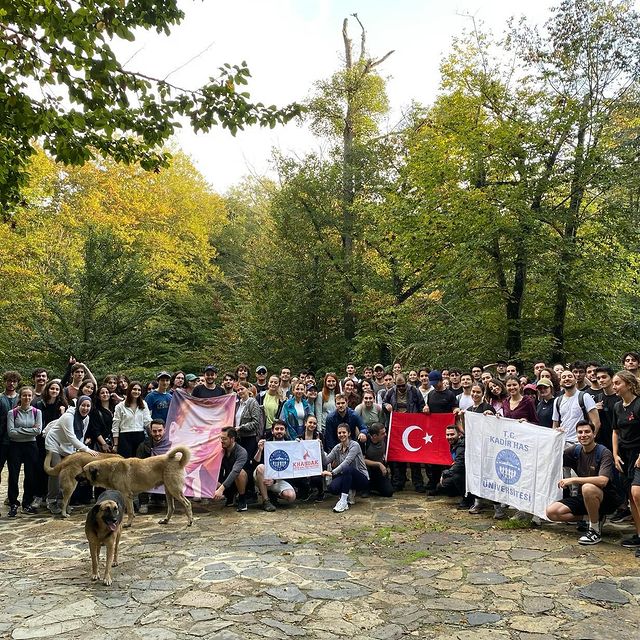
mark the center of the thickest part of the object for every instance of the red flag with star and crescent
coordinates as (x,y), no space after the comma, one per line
(419,437)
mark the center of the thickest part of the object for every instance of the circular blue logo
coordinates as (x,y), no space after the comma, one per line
(508,466)
(279,460)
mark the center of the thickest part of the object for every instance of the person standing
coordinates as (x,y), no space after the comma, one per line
(159,399)
(626,444)
(8,400)
(131,420)
(24,424)
(209,389)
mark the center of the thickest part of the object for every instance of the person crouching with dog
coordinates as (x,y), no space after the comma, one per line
(156,444)
(64,437)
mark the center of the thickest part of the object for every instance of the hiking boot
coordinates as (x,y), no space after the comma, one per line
(267,505)
(499,512)
(54,508)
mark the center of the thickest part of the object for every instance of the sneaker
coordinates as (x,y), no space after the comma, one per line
(499,512)
(29,510)
(13,511)
(319,497)
(591,537)
(242,504)
(268,506)
(476,509)
(583,526)
(341,505)
(54,508)
(621,515)
(632,542)
(352,497)
(37,503)
(144,509)
(464,504)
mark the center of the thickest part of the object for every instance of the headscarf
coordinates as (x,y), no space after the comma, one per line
(78,420)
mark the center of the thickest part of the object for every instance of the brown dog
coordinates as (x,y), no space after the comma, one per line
(103,528)
(132,475)
(68,469)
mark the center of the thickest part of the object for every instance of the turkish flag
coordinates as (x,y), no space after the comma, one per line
(419,437)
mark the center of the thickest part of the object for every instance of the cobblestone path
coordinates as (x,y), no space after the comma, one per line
(406,567)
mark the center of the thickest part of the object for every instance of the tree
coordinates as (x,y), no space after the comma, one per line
(588,64)
(348,106)
(62,85)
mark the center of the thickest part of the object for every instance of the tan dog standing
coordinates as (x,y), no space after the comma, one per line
(103,527)
(68,469)
(133,475)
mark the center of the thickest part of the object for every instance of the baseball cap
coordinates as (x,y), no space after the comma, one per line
(190,377)
(530,387)
(544,382)
(163,374)
(378,366)
(261,369)
(435,376)
(211,367)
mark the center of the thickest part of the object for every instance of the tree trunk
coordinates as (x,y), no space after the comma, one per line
(567,253)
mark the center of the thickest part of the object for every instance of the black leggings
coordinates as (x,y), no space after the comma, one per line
(349,479)
(128,443)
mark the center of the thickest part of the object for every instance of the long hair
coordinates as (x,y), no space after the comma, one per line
(488,396)
(631,380)
(326,392)
(553,376)
(46,394)
(97,405)
(129,398)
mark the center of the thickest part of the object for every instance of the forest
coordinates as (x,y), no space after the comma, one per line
(502,220)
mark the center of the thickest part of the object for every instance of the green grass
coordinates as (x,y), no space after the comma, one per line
(411,556)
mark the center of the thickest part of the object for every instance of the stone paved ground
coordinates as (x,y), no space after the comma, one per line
(406,567)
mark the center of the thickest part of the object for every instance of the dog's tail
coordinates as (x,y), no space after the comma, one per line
(48,469)
(185,455)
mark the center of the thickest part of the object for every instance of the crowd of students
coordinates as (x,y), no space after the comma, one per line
(349,414)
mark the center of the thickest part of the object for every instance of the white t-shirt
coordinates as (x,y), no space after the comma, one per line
(300,412)
(571,413)
(464,401)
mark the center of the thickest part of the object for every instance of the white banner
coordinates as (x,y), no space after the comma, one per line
(517,463)
(292,459)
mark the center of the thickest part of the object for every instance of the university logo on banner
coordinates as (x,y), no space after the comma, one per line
(197,423)
(419,437)
(517,463)
(292,459)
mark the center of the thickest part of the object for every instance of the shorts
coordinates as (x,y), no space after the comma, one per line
(278,486)
(636,478)
(610,502)
(629,475)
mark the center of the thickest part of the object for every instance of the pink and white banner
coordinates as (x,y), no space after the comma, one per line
(196,423)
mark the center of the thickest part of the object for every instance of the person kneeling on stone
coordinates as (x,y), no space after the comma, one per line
(280,489)
(349,473)
(593,464)
(452,480)
(233,477)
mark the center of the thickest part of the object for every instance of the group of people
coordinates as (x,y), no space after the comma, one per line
(596,408)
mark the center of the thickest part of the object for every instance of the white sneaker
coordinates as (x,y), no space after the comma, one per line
(341,505)
(352,497)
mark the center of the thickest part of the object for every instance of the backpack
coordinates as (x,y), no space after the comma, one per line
(600,449)
(585,413)
(16,409)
